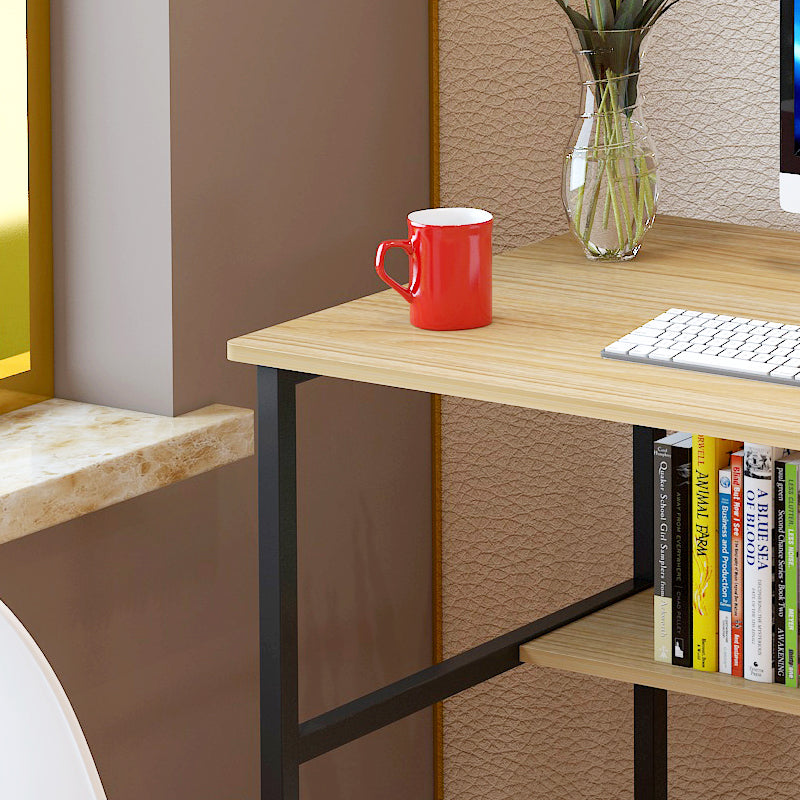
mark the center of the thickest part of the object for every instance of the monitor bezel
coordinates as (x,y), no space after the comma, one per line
(790,159)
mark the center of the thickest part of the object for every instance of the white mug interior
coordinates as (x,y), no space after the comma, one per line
(449,217)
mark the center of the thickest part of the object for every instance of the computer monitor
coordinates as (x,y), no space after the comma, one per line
(790,105)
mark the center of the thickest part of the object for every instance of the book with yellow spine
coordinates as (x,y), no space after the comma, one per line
(709,455)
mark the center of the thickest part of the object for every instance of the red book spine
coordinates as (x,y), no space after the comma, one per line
(737,565)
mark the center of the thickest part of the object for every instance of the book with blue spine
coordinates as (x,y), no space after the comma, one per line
(725,586)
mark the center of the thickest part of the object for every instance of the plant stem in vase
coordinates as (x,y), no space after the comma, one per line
(610,187)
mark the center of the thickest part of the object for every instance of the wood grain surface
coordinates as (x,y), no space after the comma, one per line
(554,312)
(617,643)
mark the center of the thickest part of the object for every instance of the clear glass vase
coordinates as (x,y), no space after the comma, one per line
(610,186)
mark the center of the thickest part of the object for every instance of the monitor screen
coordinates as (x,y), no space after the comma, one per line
(790,86)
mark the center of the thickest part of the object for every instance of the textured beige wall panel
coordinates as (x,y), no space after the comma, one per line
(527,530)
(507,104)
(508,92)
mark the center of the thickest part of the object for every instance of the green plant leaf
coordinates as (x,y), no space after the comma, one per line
(577,19)
(603,14)
(649,10)
(663,10)
(627,12)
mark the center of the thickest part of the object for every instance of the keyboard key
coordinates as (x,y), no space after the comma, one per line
(784,372)
(641,350)
(619,347)
(725,364)
(638,339)
(663,354)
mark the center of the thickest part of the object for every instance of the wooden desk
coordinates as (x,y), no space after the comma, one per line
(547,298)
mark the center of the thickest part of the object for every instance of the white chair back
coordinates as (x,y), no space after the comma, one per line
(43,752)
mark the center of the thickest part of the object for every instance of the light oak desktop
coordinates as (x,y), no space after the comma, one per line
(554,311)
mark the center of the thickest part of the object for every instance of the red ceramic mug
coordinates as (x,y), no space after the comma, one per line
(450,268)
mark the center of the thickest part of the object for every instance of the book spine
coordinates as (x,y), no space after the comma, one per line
(737,565)
(779,593)
(681,557)
(758,480)
(662,540)
(724,524)
(791,575)
(704,554)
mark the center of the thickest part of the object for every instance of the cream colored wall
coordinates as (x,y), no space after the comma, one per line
(508,101)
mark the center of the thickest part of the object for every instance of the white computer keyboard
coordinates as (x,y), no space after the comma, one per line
(716,343)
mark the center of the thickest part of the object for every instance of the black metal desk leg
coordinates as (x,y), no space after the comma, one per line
(277,578)
(649,705)
(649,743)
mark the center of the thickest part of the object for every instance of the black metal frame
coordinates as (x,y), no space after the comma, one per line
(285,743)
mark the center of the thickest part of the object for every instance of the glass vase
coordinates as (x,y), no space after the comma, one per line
(610,188)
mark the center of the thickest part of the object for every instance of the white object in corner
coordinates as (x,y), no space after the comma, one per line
(790,192)
(43,752)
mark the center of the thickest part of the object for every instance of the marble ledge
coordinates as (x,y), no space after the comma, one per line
(60,459)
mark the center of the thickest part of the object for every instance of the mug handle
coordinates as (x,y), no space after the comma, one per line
(403,244)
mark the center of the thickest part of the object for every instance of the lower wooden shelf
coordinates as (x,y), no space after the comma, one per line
(617,643)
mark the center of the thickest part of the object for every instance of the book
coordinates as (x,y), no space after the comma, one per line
(709,455)
(663,477)
(662,573)
(682,554)
(791,573)
(737,564)
(759,462)
(779,568)
(724,526)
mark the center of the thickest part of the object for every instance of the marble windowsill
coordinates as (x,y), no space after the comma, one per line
(60,459)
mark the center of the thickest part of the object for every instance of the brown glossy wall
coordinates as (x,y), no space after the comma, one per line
(290,158)
(529,520)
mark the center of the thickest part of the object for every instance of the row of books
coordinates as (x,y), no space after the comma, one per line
(726,557)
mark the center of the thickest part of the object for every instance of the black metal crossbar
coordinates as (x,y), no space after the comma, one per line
(428,686)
